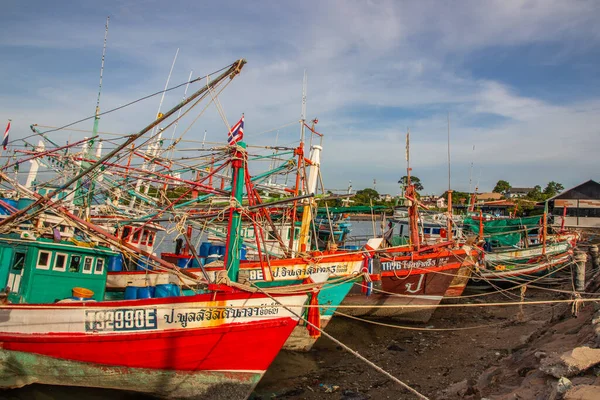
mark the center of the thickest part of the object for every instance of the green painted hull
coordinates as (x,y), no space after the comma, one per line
(18,369)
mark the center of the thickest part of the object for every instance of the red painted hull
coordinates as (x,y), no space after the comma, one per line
(410,286)
(198,349)
(214,346)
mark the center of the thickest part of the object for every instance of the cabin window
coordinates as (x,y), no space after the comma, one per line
(151,238)
(126,233)
(87,265)
(136,236)
(43,260)
(144,237)
(99,266)
(60,262)
(426,231)
(435,231)
(19,262)
(75,263)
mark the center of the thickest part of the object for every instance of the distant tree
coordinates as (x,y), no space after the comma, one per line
(536,194)
(331,202)
(552,189)
(524,207)
(502,186)
(414,180)
(457,197)
(366,196)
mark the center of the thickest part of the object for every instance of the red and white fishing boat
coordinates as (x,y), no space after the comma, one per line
(208,346)
(408,282)
(212,345)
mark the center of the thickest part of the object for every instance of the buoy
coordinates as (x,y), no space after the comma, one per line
(83,293)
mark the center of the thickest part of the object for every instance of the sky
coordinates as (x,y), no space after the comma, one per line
(516,83)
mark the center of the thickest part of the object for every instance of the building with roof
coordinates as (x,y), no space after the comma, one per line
(580,204)
(491,196)
(517,193)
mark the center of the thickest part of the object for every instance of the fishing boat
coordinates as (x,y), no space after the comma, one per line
(56,327)
(531,269)
(279,253)
(408,284)
(409,281)
(332,229)
(432,228)
(518,250)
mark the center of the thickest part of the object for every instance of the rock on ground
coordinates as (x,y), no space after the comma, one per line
(583,392)
(570,363)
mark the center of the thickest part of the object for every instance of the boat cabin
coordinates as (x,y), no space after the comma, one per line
(44,271)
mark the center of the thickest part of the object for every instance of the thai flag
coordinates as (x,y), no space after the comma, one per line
(236,133)
(5,140)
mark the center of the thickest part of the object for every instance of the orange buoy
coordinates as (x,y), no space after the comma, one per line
(82,293)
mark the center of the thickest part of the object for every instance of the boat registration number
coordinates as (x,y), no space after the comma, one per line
(122,319)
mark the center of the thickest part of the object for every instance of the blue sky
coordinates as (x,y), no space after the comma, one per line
(519,79)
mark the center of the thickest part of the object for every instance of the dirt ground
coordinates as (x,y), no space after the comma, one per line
(457,344)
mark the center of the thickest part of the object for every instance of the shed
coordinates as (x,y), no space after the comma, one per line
(582,205)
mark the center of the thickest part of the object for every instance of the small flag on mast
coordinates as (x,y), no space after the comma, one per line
(236,133)
(5,139)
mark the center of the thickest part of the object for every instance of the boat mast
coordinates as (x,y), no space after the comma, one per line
(411,195)
(470,205)
(300,154)
(449,219)
(83,195)
(311,186)
(157,142)
(234,238)
(97,114)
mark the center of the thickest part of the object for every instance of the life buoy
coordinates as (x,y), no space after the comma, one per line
(443,233)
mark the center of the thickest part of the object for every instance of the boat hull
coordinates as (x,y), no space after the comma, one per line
(410,287)
(525,254)
(520,273)
(334,269)
(330,296)
(183,347)
(337,272)
(460,281)
(20,369)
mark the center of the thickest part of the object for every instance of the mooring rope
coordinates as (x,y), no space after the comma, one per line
(348,349)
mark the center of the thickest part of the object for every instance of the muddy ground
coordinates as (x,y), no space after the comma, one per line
(457,344)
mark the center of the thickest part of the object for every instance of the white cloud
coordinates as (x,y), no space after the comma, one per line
(403,57)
